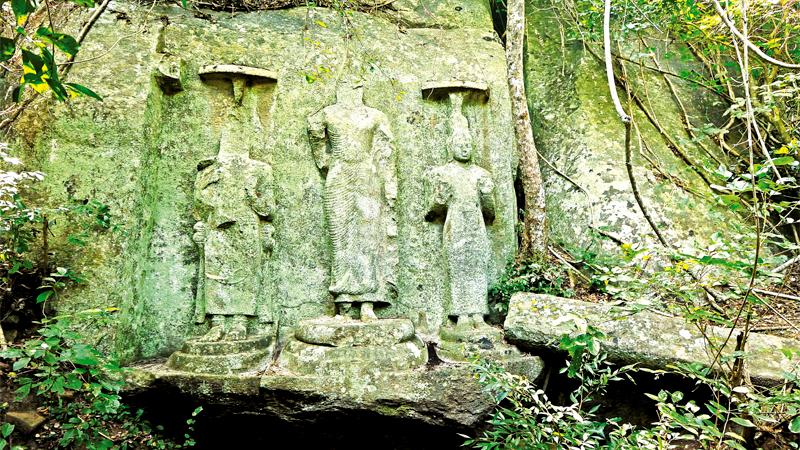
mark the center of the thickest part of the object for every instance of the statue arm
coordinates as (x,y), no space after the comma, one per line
(199,237)
(486,192)
(385,151)
(263,306)
(318,138)
(437,194)
(263,199)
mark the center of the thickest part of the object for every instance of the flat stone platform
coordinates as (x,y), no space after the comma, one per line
(442,395)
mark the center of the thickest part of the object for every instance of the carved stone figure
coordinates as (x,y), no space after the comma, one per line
(351,144)
(233,201)
(463,193)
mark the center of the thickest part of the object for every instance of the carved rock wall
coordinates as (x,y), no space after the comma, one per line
(577,130)
(138,150)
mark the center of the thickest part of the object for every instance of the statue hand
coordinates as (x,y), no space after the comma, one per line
(269,241)
(200,233)
(442,193)
(485,185)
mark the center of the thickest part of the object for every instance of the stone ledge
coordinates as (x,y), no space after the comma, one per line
(537,321)
(444,395)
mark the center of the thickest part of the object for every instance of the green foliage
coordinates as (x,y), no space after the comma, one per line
(39,53)
(526,418)
(732,409)
(528,276)
(80,387)
(24,229)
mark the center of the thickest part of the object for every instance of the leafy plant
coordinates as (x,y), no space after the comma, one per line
(528,276)
(39,52)
(80,389)
(525,418)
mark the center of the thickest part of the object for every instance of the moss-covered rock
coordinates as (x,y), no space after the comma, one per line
(582,141)
(537,321)
(138,151)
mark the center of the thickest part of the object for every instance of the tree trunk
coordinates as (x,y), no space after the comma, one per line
(534,235)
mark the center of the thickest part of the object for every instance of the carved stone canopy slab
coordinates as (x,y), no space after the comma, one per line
(438,90)
(232,70)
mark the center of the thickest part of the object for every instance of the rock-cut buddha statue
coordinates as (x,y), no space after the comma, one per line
(351,144)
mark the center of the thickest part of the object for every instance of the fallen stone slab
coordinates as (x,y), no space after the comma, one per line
(25,421)
(653,340)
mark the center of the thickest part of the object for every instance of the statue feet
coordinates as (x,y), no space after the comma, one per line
(237,330)
(217,331)
(367,312)
(463,324)
(225,349)
(468,323)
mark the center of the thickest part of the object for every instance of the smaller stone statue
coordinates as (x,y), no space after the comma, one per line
(463,193)
(233,196)
(233,207)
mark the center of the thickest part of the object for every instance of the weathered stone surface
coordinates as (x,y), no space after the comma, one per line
(577,130)
(334,331)
(443,395)
(222,357)
(537,321)
(138,152)
(307,359)
(25,421)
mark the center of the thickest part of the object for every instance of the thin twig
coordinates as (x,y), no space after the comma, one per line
(724,16)
(777,294)
(83,33)
(612,87)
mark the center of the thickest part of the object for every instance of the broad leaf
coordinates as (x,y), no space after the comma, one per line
(20,364)
(82,90)
(7,48)
(63,42)
(743,422)
(21,9)
(42,297)
(794,425)
(83,355)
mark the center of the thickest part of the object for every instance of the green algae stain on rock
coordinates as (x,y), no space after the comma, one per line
(577,130)
(138,152)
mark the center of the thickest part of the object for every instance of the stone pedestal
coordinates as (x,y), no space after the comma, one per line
(332,345)
(485,342)
(221,357)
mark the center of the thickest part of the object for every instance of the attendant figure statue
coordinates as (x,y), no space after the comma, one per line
(351,144)
(463,193)
(233,200)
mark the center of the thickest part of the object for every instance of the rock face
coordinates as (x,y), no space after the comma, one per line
(301,196)
(580,135)
(537,321)
(443,395)
(182,91)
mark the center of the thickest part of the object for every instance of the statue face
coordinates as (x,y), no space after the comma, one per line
(462,152)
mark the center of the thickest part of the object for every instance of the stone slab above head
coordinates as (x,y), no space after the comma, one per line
(440,89)
(230,70)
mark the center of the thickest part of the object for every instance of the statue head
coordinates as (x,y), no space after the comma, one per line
(460,136)
(350,93)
